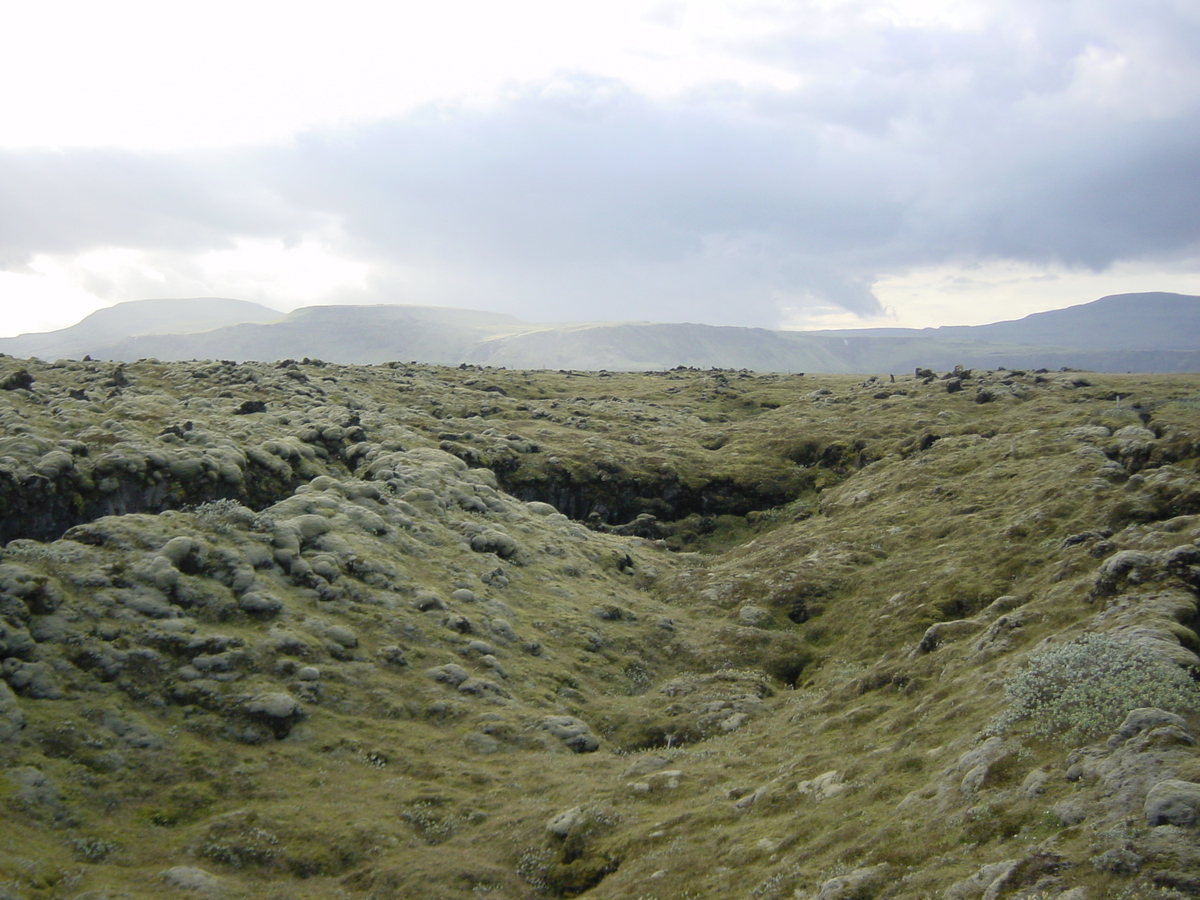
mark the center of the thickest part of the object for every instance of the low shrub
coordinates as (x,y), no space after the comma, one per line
(1083,688)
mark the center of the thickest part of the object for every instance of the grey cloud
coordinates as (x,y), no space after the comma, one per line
(579,199)
(722,207)
(600,197)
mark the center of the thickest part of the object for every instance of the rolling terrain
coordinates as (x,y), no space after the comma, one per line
(1148,332)
(307,630)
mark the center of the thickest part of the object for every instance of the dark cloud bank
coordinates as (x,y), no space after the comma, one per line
(579,199)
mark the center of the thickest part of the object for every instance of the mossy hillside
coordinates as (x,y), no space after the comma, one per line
(812,704)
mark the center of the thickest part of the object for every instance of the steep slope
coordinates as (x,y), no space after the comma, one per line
(338,644)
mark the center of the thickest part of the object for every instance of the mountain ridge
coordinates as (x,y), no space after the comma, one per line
(1147,332)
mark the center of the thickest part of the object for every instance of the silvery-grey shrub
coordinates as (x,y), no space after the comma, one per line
(1083,688)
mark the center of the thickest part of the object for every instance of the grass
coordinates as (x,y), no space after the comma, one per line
(852,537)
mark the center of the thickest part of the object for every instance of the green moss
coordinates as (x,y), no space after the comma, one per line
(834,514)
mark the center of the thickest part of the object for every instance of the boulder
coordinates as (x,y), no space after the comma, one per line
(858,883)
(561,824)
(195,880)
(494,542)
(574,733)
(277,710)
(824,786)
(450,674)
(750,616)
(1143,719)
(31,679)
(35,794)
(1173,802)
(12,719)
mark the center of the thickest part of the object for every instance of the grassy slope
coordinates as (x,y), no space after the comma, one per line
(908,506)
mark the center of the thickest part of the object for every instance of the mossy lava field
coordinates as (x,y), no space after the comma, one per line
(303,630)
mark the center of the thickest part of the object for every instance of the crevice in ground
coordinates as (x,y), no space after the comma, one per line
(44,508)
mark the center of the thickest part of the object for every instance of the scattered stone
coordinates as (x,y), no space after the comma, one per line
(481,743)
(574,733)
(987,882)
(15,641)
(392,655)
(31,679)
(481,648)
(190,878)
(18,380)
(943,632)
(1035,783)
(1144,719)
(750,616)
(35,794)
(824,786)
(426,601)
(451,674)
(645,765)
(1118,861)
(978,764)
(259,605)
(1070,812)
(667,779)
(561,824)
(502,630)
(494,542)
(858,883)
(12,719)
(278,711)
(342,636)
(1132,565)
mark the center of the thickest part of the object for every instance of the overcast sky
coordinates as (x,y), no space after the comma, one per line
(765,163)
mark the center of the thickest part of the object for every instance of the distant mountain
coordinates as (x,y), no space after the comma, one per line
(1147,332)
(1146,321)
(641,346)
(136,317)
(1143,332)
(344,334)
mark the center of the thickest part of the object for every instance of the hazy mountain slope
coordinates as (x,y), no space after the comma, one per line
(312,631)
(1145,321)
(1138,321)
(639,346)
(895,353)
(364,334)
(137,317)
(1129,332)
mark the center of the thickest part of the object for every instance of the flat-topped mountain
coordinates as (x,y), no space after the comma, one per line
(107,326)
(1149,332)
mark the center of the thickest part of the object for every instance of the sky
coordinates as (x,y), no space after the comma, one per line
(767,163)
